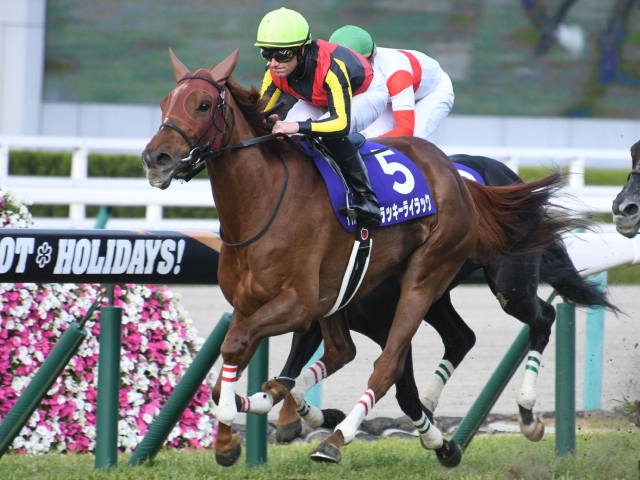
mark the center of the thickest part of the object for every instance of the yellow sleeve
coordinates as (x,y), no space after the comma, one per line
(269,90)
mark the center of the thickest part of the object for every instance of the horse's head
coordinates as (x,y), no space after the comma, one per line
(626,206)
(193,118)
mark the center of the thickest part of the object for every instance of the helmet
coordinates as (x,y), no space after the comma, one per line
(354,38)
(283,28)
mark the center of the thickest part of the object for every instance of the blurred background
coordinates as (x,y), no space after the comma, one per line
(570,68)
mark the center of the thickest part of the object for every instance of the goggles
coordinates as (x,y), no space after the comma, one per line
(280,55)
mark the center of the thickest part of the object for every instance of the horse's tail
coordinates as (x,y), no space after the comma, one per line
(558,270)
(516,219)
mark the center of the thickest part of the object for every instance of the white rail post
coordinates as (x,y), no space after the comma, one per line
(79,173)
(512,162)
(154,215)
(576,173)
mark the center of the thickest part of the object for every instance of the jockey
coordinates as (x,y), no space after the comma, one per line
(338,94)
(421,92)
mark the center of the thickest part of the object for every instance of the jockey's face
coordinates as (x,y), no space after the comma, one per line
(282,69)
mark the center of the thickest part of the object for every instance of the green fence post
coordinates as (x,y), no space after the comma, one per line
(565,380)
(182,395)
(108,401)
(104,214)
(48,372)
(594,351)
(257,424)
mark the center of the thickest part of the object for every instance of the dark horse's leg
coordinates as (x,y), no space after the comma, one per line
(515,284)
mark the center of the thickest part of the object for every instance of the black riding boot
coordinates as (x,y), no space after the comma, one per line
(348,158)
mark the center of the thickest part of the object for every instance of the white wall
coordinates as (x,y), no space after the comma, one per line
(22,39)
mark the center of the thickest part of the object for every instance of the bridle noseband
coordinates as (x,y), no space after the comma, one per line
(198,154)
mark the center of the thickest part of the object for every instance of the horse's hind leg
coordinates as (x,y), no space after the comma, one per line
(339,350)
(426,278)
(515,284)
(303,346)
(458,340)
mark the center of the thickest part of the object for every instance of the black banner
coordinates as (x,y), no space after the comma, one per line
(108,256)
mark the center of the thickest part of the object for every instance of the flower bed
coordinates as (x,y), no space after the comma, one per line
(158,344)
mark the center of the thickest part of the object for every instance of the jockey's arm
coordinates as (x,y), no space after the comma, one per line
(269,90)
(338,88)
(403,100)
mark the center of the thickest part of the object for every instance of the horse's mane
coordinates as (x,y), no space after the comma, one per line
(251,105)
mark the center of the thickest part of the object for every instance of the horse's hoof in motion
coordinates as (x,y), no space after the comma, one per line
(533,432)
(332,418)
(226,459)
(278,388)
(449,454)
(287,433)
(530,425)
(326,452)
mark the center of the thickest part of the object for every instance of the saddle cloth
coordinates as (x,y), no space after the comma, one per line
(401,189)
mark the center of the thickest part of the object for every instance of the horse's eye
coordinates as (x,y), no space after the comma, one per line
(204,107)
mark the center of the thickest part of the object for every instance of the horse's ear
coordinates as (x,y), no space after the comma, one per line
(223,70)
(179,70)
(635,154)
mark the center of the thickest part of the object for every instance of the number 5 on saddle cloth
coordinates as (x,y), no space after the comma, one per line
(401,189)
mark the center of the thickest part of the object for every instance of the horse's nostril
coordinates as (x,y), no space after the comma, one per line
(631,209)
(162,158)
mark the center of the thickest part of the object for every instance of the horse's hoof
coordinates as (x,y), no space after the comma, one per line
(289,432)
(332,418)
(326,452)
(226,459)
(286,382)
(533,432)
(449,454)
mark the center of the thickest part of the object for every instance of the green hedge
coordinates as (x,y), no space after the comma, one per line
(58,164)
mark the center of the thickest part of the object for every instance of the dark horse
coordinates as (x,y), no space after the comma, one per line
(287,275)
(626,206)
(514,282)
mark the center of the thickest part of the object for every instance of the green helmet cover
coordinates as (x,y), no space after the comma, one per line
(354,38)
(283,28)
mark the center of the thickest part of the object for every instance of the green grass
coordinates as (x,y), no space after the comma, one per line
(606,451)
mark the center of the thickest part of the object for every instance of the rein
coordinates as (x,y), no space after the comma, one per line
(198,154)
(634,171)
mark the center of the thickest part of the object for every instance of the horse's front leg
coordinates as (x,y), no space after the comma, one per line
(283,314)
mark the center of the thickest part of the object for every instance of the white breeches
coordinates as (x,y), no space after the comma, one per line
(430,112)
(365,107)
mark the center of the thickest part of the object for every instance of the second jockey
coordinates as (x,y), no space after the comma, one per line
(420,92)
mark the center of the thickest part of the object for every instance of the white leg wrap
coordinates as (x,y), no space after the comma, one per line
(430,436)
(307,379)
(527,393)
(349,426)
(312,416)
(227,405)
(431,393)
(259,403)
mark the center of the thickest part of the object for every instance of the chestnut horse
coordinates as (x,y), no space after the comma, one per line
(285,252)
(626,206)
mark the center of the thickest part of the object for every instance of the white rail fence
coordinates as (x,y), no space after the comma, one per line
(79,190)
